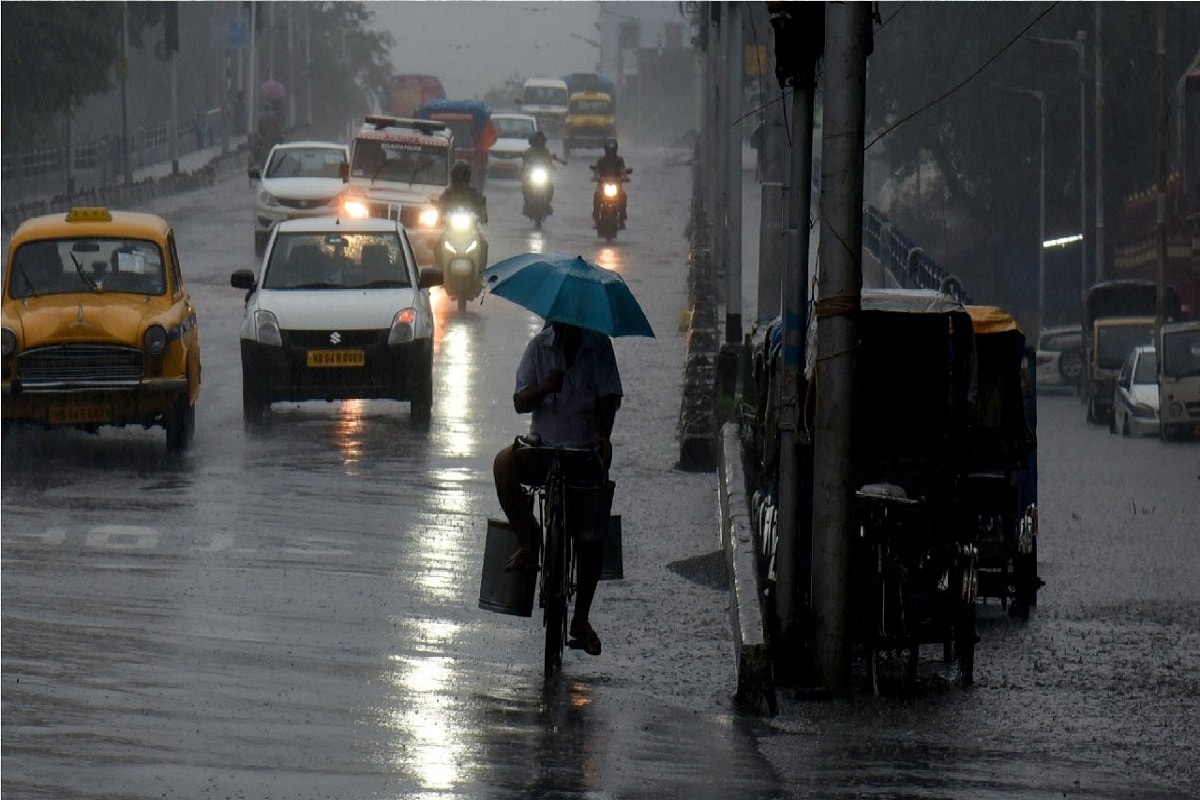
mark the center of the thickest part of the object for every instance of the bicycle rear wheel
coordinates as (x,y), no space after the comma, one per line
(554,576)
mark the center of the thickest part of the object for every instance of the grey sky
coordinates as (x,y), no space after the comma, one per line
(473,45)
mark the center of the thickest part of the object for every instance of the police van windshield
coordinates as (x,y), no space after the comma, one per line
(400,161)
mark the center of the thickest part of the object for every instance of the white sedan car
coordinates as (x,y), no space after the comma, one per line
(300,179)
(512,140)
(339,310)
(1059,357)
(1135,396)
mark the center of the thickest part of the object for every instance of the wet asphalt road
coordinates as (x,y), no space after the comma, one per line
(293,614)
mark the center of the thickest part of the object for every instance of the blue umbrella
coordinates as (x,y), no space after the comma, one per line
(561,288)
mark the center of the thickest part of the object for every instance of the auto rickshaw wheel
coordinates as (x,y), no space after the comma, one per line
(964,642)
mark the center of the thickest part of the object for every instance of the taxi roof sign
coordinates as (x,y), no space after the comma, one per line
(89,214)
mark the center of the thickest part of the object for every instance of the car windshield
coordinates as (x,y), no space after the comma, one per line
(304,162)
(1147,368)
(1181,354)
(590,107)
(62,266)
(336,260)
(1115,341)
(508,128)
(400,161)
(546,95)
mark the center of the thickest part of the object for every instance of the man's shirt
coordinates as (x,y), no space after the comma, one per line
(569,418)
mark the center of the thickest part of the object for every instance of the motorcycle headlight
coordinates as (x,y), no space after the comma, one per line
(610,190)
(403,323)
(460,221)
(155,340)
(539,176)
(428,217)
(266,329)
(354,208)
(9,340)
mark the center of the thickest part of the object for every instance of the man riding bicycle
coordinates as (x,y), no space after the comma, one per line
(569,383)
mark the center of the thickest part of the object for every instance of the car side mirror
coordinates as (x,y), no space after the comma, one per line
(429,277)
(629,170)
(242,279)
(254,173)
(344,172)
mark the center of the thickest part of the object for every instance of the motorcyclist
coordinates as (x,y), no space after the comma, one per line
(461,194)
(609,165)
(539,153)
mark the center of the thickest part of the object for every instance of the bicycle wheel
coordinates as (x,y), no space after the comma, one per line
(894,647)
(554,576)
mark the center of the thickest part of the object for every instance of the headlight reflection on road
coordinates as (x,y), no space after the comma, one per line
(610,258)
(424,718)
(348,432)
(536,243)
(452,391)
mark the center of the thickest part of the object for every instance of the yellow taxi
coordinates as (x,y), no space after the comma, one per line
(98,328)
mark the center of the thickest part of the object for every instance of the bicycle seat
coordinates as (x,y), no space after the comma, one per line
(886,493)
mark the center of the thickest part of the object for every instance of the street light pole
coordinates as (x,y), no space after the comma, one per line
(1040,96)
(1077,44)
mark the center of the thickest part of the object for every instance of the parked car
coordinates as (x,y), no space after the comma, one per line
(98,327)
(1059,357)
(1135,396)
(338,311)
(513,131)
(299,179)
(1179,380)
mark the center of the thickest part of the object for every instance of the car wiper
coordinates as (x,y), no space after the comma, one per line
(385,282)
(79,268)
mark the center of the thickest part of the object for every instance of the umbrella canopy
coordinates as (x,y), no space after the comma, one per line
(561,288)
(272,90)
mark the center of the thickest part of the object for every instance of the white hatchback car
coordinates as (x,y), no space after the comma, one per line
(300,179)
(512,140)
(1135,395)
(338,311)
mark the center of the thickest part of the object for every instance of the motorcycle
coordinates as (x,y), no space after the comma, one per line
(462,255)
(537,185)
(610,195)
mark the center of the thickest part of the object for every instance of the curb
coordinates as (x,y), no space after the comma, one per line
(755,679)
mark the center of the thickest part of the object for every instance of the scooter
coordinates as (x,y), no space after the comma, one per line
(537,185)
(610,193)
(462,255)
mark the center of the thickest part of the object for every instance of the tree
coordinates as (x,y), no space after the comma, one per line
(350,61)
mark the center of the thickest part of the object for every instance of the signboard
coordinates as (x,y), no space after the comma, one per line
(226,33)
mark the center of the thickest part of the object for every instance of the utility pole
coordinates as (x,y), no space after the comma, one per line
(1160,204)
(1098,68)
(839,297)
(126,147)
(733,174)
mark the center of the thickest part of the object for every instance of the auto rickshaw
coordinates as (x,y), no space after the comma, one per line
(913,568)
(1001,480)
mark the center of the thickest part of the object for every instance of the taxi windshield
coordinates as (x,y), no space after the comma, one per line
(63,266)
(336,260)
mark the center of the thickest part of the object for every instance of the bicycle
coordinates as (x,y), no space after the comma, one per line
(562,523)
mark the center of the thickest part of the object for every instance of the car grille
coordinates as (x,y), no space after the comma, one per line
(305,204)
(320,340)
(79,363)
(409,216)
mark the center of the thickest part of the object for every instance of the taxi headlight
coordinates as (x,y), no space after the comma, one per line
(403,330)
(355,208)
(155,340)
(9,340)
(266,329)
(428,217)
(539,176)
(610,190)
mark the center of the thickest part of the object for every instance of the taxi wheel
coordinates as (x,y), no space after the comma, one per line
(180,423)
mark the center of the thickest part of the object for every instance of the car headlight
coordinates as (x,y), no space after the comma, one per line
(460,221)
(267,199)
(9,340)
(1174,408)
(539,176)
(155,340)
(428,217)
(354,208)
(403,330)
(610,190)
(266,329)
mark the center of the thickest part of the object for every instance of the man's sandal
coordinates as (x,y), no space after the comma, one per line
(584,638)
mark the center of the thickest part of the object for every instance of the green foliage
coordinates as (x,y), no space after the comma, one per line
(350,61)
(54,56)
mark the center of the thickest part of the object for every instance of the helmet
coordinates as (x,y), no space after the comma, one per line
(460,173)
(537,139)
(610,147)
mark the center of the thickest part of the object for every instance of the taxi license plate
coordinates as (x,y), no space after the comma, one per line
(78,415)
(336,358)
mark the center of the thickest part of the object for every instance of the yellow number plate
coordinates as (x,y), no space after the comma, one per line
(336,358)
(79,415)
